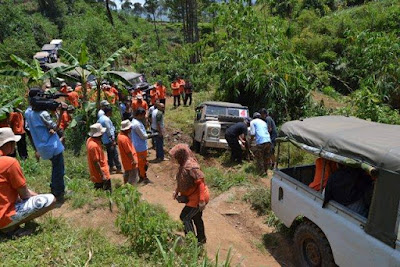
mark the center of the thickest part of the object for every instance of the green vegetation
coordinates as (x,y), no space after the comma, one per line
(260,199)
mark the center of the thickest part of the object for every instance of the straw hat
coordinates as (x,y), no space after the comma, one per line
(96,130)
(7,135)
(126,125)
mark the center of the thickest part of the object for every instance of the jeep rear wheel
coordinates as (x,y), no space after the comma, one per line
(311,246)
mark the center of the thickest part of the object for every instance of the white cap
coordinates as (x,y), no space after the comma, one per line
(7,135)
(126,125)
(96,130)
(139,96)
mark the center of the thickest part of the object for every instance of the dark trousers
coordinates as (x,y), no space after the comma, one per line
(112,156)
(236,150)
(57,175)
(177,100)
(188,97)
(21,147)
(159,142)
(190,216)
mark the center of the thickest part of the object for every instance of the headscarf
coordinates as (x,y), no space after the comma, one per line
(189,169)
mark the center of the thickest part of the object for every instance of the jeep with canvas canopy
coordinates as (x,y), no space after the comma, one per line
(329,233)
(52,50)
(42,57)
(211,121)
(57,43)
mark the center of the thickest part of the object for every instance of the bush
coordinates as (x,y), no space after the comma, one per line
(142,222)
(260,199)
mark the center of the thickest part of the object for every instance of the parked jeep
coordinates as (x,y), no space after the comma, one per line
(42,57)
(329,233)
(211,121)
(52,50)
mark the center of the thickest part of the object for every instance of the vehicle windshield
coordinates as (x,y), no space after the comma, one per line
(217,110)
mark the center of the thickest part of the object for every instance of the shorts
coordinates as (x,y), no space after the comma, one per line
(30,206)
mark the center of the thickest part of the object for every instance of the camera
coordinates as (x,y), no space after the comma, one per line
(43,100)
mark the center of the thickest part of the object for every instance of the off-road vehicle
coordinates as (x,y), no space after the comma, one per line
(334,234)
(211,121)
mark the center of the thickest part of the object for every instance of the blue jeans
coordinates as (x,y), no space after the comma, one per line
(57,175)
(159,140)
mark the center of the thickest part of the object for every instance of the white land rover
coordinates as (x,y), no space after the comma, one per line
(211,121)
(328,233)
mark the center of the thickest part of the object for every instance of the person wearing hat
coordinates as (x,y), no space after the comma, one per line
(73,97)
(63,88)
(128,153)
(18,204)
(103,104)
(162,91)
(235,136)
(139,103)
(175,92)
(108,140)
(139,139)
(48,145)
(259,130)
(97,162)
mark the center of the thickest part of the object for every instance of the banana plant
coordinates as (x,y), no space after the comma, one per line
(81,65)
(31,74)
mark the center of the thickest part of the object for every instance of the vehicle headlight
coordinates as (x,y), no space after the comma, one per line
(213,132)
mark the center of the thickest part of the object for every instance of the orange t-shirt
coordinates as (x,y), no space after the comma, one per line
(115,92)
(73,98)
(161,90)
(64,90)
(181,83)
(199,192)
(65,120)
(330,167)
(11,178)
(78,89)
(142,104)
(17,122)
(137,92)
(95,154)
(154,96)
(175,88)
(110,96)
(125,147)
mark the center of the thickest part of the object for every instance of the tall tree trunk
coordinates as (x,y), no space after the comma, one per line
(156,31)
(109,15)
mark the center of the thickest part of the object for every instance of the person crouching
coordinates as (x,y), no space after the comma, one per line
(97,161)
(18,204)
(128,154)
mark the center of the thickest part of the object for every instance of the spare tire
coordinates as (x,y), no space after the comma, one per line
(226,118)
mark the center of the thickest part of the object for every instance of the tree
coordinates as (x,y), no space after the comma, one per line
(127,5)
(109,15)
(151,7)
(138,9)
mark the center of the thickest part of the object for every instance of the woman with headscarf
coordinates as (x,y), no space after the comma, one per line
(191,190)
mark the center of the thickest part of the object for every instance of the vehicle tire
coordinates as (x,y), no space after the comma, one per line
(312,247)
(196,146)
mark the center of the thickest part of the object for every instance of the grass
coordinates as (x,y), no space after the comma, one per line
(222,180)
(58,243)
(260,199)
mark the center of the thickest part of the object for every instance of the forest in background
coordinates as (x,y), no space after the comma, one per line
(266,54)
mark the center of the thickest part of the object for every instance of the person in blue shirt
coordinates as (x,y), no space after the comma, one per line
(48,146)
(259,130)
(272,132)
(108,139)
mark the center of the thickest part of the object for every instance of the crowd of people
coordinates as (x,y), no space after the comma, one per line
(46,130)
(262,130)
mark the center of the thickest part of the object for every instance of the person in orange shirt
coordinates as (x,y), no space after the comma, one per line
(17,124)
(330,167)
(97,161)
(63,88)
(181,87)
(139,103)
(18,204)
(137,92)
(162,91)
(78,89)
(128,154)
(115,91)
(66,117)
(191,190)
(154,95)
(73,97)
(110,96)
(175,92)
